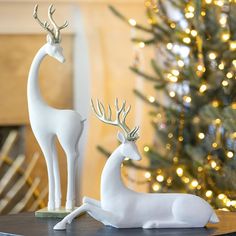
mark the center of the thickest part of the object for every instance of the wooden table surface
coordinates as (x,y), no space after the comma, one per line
(27,224)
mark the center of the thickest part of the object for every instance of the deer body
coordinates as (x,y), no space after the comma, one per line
(148,210)
(121,207)
(48,123)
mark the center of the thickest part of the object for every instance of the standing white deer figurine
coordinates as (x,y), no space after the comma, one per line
(48,123)
(121,207)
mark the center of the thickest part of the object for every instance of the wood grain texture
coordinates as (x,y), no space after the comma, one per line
(28,225)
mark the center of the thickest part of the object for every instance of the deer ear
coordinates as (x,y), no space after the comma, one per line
(120,137)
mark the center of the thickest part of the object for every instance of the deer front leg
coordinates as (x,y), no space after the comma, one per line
(71,166)
(97,213)
(56,177)
(45,143)
(91,201)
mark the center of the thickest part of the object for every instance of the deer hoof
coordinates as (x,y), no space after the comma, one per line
(70,205)
(58,204)
(60,226)
(51,206)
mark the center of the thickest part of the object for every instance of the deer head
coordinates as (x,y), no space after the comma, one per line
(129,136)
(53,47)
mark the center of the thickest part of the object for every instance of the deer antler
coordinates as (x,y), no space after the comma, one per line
(121,114)
(55,26)
(54,32)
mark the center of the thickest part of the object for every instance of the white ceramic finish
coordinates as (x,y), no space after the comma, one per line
(48,123)
(121,207)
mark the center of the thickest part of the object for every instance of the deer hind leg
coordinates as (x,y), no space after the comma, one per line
(97,213)
(69,144)
(71,167)
(45,143)
(191,211)
(57,179)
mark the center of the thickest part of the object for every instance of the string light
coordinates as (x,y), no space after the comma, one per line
(201,135)
(199,187)
(233,105)
(160,178)
(170,135)
(169,46)
(212,55)
(194,33)
(194,183)
(234,63)
(156,187)
(214,145)
(146,149)
(203,13)
(217,121)
(223,20)
(181,63)
(203,88)
(132,22)
(219,3)
(213,164)
(151,99)
(208,193)
(141,44)
(199,169)
(173,79)
(175,72)
(221,196)
(221,66)
(187,30)
(179,171)
(181,138)
(215,103)
(185,179)
(190,8)
(172,25)
(187,99)
(208,1)
(232,45)
(172,94)
(230,154)
(168,146)
(225,36)
(187,40)
(189,15)
(201,68)
(229,75)
(175,159)
(225,83)
(169,180)
(147,175)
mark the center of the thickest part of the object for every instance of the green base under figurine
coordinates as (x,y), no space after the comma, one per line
(58,213)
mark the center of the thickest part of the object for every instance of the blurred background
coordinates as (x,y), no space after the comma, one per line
(172,61)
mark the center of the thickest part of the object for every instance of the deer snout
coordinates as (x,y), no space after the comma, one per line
(62,59)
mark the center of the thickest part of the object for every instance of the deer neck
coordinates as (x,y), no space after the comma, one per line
(33,92)
(111,182)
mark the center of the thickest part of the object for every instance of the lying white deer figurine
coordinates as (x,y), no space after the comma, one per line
(121,207)
(48,122)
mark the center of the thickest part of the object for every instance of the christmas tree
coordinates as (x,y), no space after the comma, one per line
(195,143)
